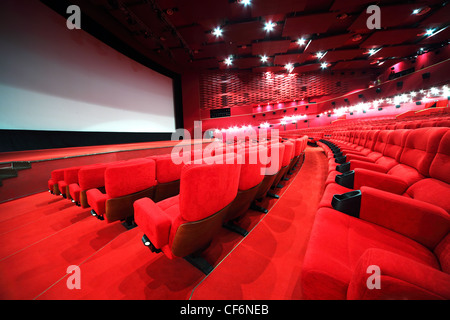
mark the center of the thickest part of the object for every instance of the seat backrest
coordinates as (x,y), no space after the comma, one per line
(428,124)
(166,169)
(287,155)
(57,175)
(130,177)
(363,138)
(400,125)
(251,169)
(275,153)
(71,175)
(382,139)
(421,147)
(298,146)
(206,189)
(395,143)
(92,176)
(356,137)
(440,166)
(371,138)
(443,123)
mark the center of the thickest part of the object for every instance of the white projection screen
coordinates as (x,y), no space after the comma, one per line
(53,78)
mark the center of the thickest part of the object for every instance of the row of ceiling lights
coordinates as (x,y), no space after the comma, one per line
(289,66)
(269,26)
(398,99)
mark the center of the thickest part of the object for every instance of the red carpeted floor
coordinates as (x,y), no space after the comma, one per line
(61,153)
(42,235)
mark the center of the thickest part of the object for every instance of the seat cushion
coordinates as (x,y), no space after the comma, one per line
(432,191)
(338,241)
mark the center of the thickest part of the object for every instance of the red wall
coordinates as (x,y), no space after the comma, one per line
(191,100)
(435,63)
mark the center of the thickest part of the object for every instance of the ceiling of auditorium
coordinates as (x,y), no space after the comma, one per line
(178,33)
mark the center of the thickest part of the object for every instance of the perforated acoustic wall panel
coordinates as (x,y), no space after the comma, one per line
(242,88)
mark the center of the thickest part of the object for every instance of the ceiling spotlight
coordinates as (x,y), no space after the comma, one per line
(228,61)
(269,26)
(373,51)
(264,58)
(217,31)
(429,32)
(421,11)
(434,91)
(245,2)
(289,67)
(323,65)
(301,42)
(320,55)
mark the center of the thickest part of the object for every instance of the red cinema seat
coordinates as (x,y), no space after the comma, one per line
(184,225)
(125,183)
(420,149)
(407,240)
(288,157)
(168,174)
(70,176)
(250,179)
(443,123)
(274,161)
(391,153)
(89,177)
(56,175)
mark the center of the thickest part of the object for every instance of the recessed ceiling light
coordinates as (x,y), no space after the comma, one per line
(289,67)
(245,2)
(429,32)
(421,11)
(324,65)
(228,61)
(320,55)
(269,26)
(264,58)
(373,51)
(301,42)
(217,31)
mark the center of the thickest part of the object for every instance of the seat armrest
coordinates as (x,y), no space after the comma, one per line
(421,221)
(399,278)
(354,164)
(153,221)
(74,191)
(97,201)
(378,180)
(351,157)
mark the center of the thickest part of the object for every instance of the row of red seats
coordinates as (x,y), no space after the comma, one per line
(382,227)
(180,206)
(426,120)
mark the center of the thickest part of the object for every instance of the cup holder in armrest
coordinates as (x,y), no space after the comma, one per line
(344,167)
(346,179)
(348,203)
(338,154)
(341,160)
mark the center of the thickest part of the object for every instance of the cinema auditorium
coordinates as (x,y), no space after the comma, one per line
(224,150)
